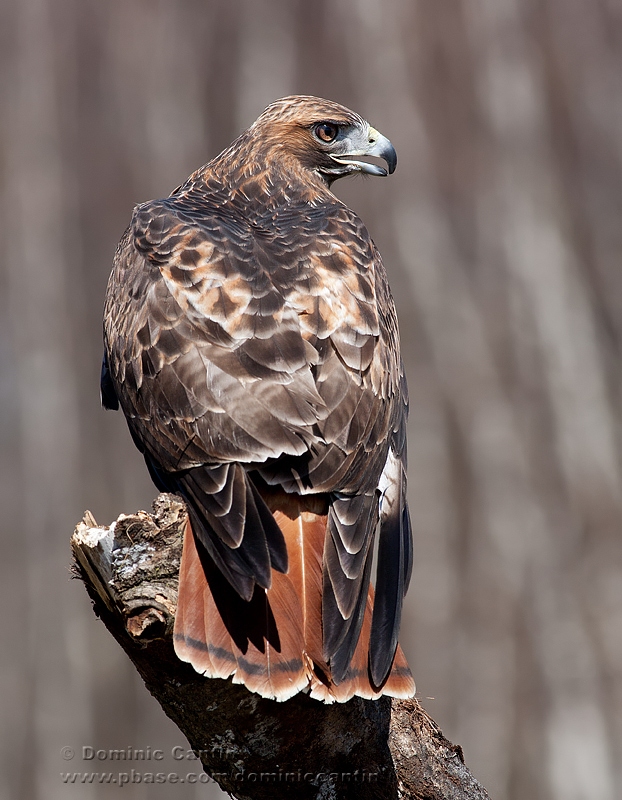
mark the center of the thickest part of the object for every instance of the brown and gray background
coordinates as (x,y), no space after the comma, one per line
(502,234)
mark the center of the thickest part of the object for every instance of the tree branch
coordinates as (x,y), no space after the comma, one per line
(255,748)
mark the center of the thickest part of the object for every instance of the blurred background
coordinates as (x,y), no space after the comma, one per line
(501,231)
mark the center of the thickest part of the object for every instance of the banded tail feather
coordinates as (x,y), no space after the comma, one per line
(273,644)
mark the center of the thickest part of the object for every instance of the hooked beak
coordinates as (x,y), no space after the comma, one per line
(377,145)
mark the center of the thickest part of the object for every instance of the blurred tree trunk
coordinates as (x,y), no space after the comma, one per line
(501,234)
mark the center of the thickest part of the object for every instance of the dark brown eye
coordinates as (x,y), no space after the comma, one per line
(326,131)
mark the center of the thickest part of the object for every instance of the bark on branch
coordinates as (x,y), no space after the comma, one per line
(255,748)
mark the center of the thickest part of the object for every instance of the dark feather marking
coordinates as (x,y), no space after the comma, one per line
(243,566)
(228,561)
(224,509)
(274,535)
(341,636)
(345,587)
(266,305)
(189,257)
(181,276)
(389,595)
(407,547)
(353,520)
(109,397)
(248,620)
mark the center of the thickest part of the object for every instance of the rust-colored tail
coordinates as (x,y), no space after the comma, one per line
(273,643)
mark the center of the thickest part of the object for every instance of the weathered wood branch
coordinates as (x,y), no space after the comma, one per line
(255,748)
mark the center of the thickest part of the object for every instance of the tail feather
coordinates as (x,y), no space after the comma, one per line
(357,682)
(304,535)
(273,643)
(258,642)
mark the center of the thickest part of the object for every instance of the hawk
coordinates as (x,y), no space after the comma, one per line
(251,340)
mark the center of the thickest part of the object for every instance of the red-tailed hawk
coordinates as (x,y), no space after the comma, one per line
(251,340)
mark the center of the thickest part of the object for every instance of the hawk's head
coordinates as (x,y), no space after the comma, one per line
(320,136)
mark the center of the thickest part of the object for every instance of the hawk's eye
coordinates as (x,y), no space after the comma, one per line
(326,131)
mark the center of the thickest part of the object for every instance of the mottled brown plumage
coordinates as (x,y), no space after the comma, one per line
(251,341)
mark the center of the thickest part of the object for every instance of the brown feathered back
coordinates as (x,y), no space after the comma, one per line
(251,341)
